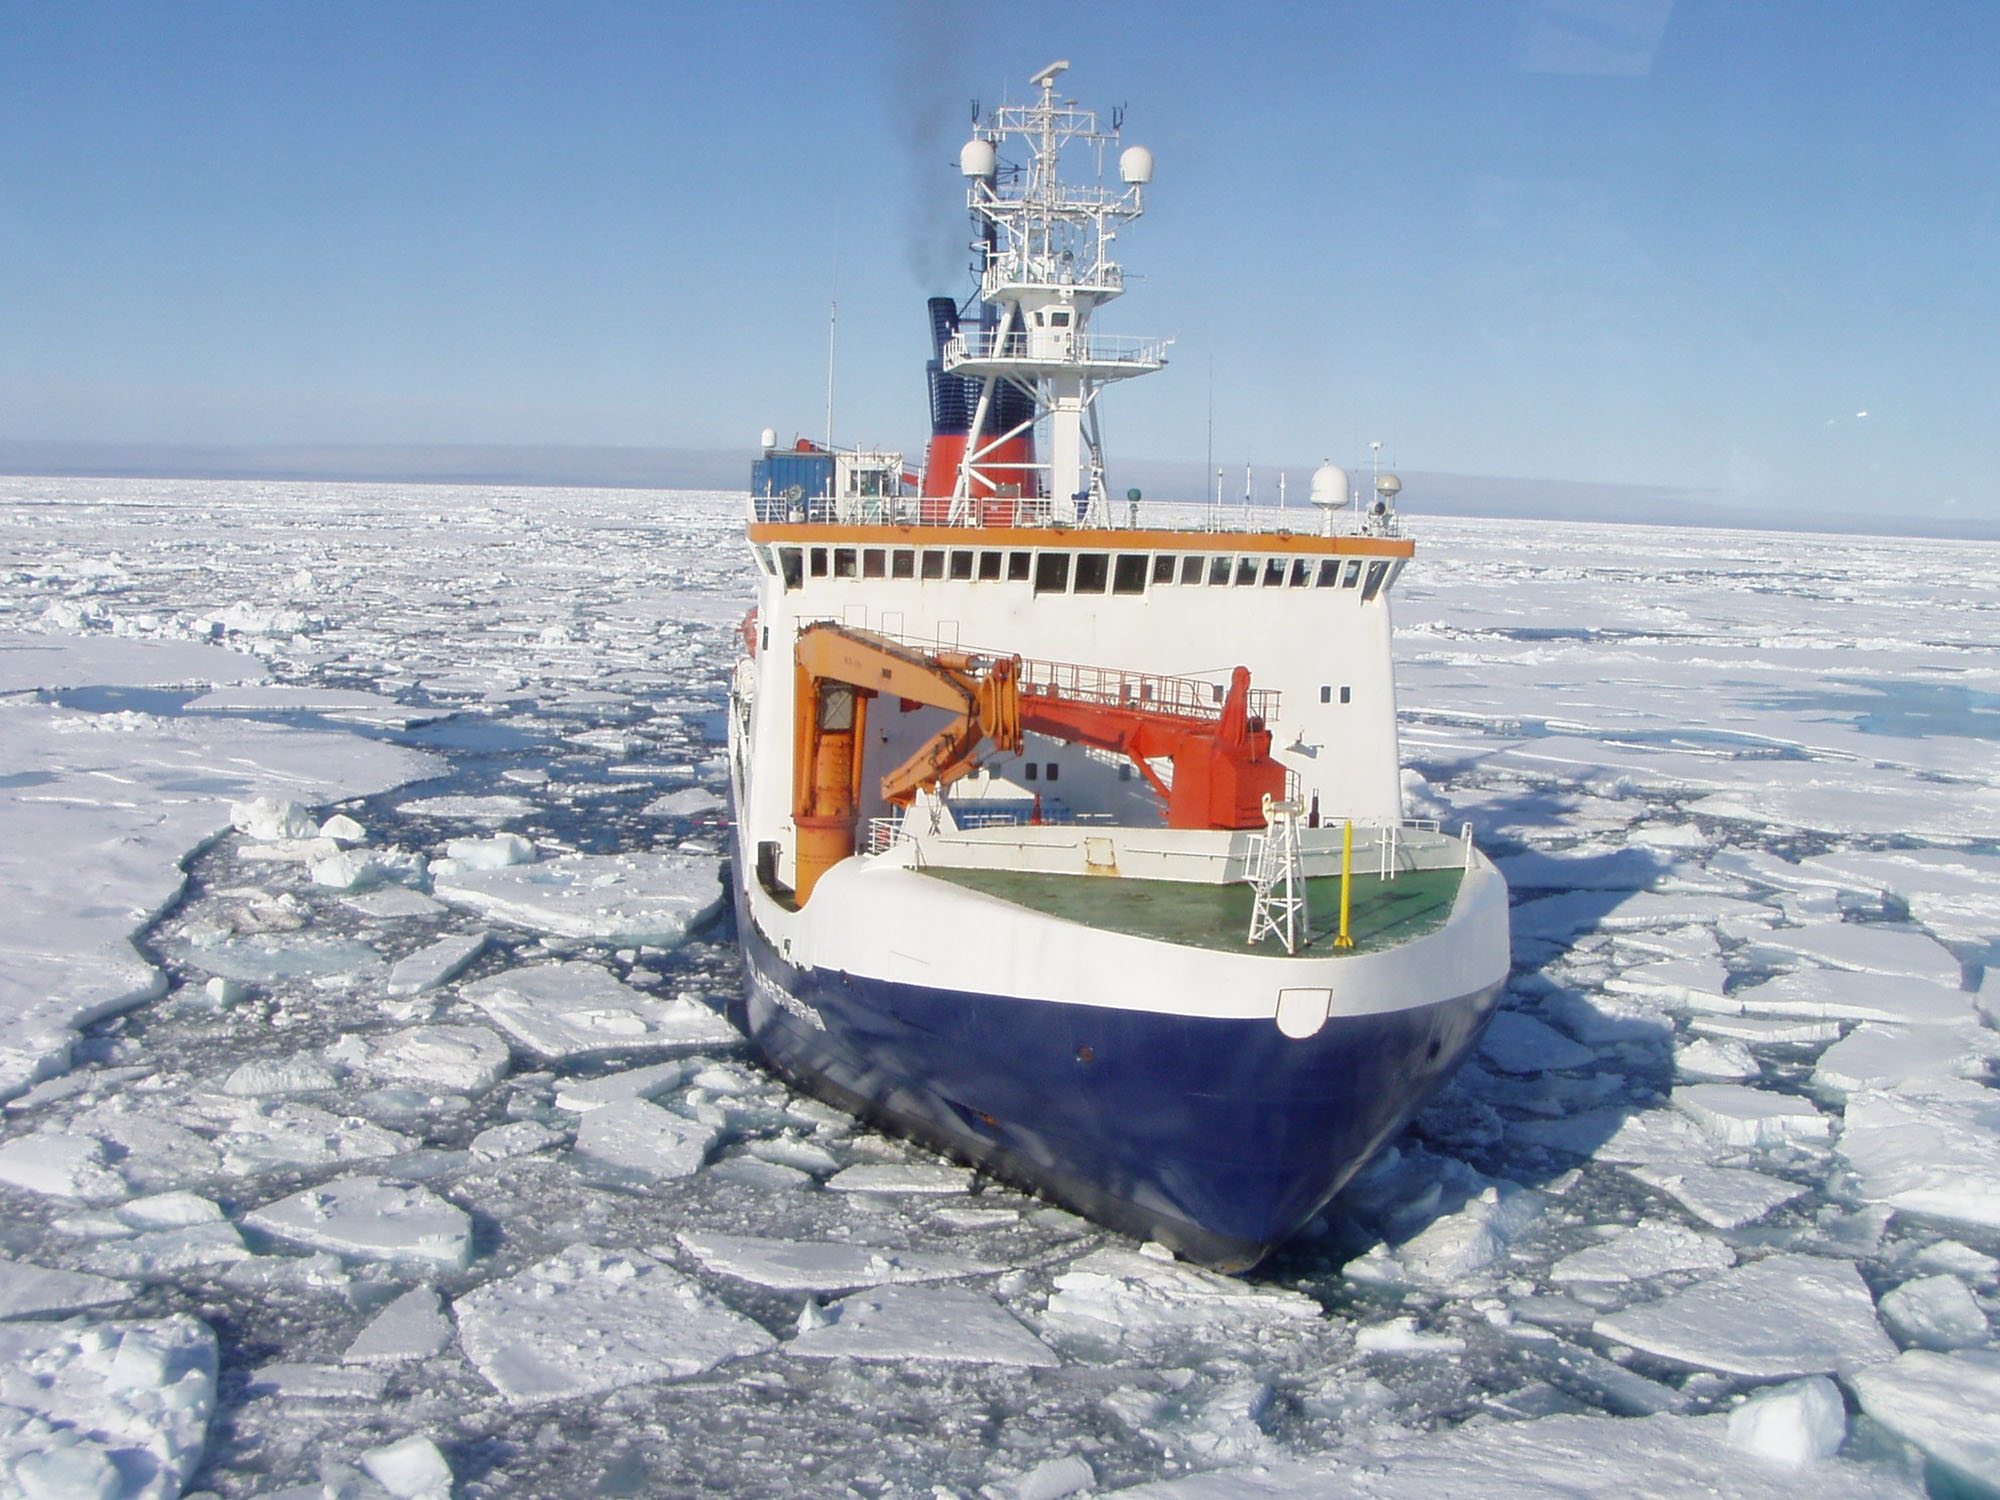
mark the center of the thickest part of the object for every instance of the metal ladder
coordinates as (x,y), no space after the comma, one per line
(1278,879)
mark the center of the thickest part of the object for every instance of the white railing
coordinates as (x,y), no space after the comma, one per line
(1044,346)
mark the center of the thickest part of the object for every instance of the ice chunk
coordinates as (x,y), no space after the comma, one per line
(1402,1336)
(487,810)
(1799,1422)
(516,1138)
(575,1009)
(284,1133)
(612,898)
(1957,1259)
(370,1218)
(31,1291)
(688,802)
(1742,1116)
(1472,1243)
(953,1324)
(1649,1248)
(1869,948)
(413,1469)
(1681,981)
(1878,1056)
(163,1252)
(805,1266)
(1766,1030)
(1785,1315)
(268,957)
(62,1166)
(394,903)
(1726,1197)
(1515,1043)
(107,1409)
(467,1059)
(280,1075)
(1844,995)
(900,1178)
(1930,1149)
(494,853)
(1124,1297)
(580,1096)
(343,830)
(1718,1062)
(1946,1404)
(1935,1312)
(414,1326)
(644,1140)
(365,869)
(591,1320)
(1054,1479)
(268,819)
(302,1382)
(440,963)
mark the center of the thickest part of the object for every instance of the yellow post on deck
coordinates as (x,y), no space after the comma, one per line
(1346,878)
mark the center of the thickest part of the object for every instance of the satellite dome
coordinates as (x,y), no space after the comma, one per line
(1329,486)
(977,158)
(1135,165)
(769,438)
(1388,486)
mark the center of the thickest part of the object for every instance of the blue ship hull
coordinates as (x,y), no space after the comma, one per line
(1220,1138)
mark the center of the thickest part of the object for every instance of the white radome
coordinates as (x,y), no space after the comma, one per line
(1135,165)
(977,158)
(1329,486)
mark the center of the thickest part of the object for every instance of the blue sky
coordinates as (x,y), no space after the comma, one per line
(1650,242)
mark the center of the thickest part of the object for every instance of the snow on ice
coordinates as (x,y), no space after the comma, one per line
(1747,789)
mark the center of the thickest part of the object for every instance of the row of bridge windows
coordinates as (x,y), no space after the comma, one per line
(1081,572)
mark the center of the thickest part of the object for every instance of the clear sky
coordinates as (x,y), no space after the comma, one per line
(1680,243)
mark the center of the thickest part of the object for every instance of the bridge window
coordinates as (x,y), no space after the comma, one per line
(1030,771)
(791,565)
(1058,320)
(1377,571)
(1246,571)
(1274,572)
(1218,571)
(989,567)
(1163,568)
(1092,569)
(961,566)
(872,560)
(1353,573)
(1018,564)
(818,556)
(843,562)
(902,563)
(1052,573)
(1301,572)
(1329,574)
(933,563)
(1130,574)
(1191,570)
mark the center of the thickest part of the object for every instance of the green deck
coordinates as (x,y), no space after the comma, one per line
(1381,913)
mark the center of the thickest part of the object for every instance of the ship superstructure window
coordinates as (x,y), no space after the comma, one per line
(1030,771)
(1301,572)
(843,562)
(1329,573)
(1092,570)
(933,563)
(791,566)
(1052,573)
(989,567)
(1058,319)
(1163,568)
(902,563)
(1346,694)
(1129,574)
(961,566)
(1353,573)
(1218,571)
(1191,570)
(1274,572)
(1246,571)
(873,562)
(1019,566)
(819,562)
(1377,571)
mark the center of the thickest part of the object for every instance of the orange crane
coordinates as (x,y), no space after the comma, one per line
(1222,761)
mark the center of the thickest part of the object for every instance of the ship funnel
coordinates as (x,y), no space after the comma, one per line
(1135,166)
(977,158)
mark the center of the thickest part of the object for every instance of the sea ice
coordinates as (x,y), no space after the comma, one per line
(440,963)
(365,869)
(496,852)
(413,1469)
(1849,995)
(268,820)
(1870,949)
(395,903)
(1124,1297)
(265,1135)
(516,1138)
(1928,1148)
(28,1291)
(1694,982)
(1648,1248)
(688,802)
(1946,1404)
(370,1218)
(1471,1244)
(1726,1197)
(1741,1116)
(1935,1312)
(1799,1422)
(822,1266)
(1781,1316)
(414,1326)
(105,1411)
(582,1095)
(1878,1056)
(287,1381)
(1715,1062)
(590,1320)
(1403,1336)
(643,1140)
(946,1323)
(900,1178)
(464,1059)
(573,1009)
(62,1166)
(159,1253)
(1515,1043)
(611,898)
(263,1076)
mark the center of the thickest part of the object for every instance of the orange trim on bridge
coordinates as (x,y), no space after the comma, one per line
(1081,539)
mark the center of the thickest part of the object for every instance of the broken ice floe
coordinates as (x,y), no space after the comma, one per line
(900,1178)
(820,1266)
(590,1320)
(465,1059)
(952,1324)
(611,898)
(370,1218)
(414,1326)
(1946,1404)
(633,1140)
(1648,1248)
(575,1009)
(1935,1312)
(28,1291)
(1736,1115)
(1123,1297)
(1930,1148)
